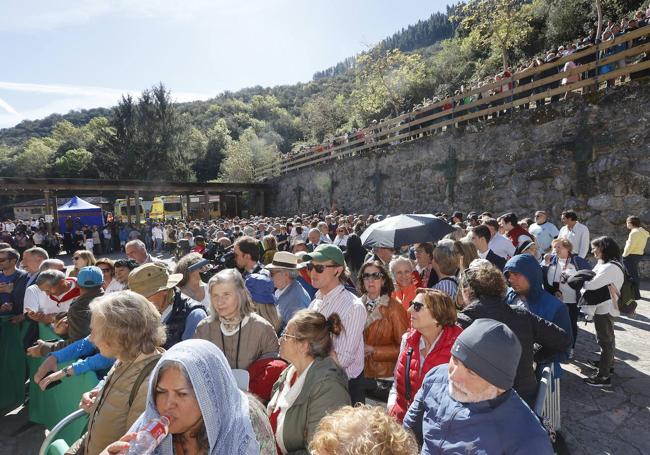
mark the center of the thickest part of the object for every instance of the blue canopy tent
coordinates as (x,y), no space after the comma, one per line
(87,213)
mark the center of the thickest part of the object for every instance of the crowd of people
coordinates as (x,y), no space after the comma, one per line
(456,101)
(277,350)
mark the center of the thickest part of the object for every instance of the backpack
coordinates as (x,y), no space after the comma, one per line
(626,303)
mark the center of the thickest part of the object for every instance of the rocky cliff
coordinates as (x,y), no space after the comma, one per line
(590,154)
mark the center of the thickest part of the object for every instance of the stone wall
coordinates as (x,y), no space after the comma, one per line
(590,154)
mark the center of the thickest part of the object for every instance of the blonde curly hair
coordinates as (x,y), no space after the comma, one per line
(361,430)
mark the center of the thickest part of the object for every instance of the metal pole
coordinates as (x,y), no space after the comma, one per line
(206,205)
(48,212)
(128,209)
(136,193)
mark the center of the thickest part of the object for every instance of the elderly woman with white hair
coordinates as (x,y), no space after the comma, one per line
(402,270)
(125,326)
(233,325)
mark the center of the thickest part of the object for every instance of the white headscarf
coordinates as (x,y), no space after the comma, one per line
(223,406)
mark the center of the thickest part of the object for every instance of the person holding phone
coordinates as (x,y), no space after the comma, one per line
(558,267)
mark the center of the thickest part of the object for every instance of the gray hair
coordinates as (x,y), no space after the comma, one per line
(292,273)
(51,277)
(316,230)
(232,276)
(136,243)
(129,321)
(397,261)
(52,264)
(37,251)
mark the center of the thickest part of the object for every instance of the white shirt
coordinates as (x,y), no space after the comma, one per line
(501,246)
(349,346)
(544,234)
(606,273)
(37,300)
(554,275)
(579,238)
(157,233)
(114,286)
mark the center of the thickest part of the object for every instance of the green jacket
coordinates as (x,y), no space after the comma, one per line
(325,390)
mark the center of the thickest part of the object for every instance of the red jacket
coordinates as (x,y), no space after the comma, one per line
(517,232)
(439,355)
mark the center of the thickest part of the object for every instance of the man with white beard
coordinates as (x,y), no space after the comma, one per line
(469,405)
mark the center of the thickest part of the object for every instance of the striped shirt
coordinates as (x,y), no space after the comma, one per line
(349,344)
(448,285)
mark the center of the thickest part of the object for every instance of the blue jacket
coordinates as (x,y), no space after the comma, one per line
(504,425)
(311,290)
(293,299)
(86,357)
(538,301)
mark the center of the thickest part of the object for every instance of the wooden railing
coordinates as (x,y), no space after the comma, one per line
(542,82)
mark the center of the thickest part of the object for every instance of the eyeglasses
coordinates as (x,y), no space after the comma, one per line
(417,306)
(372,276)
(286,336)
(320,268)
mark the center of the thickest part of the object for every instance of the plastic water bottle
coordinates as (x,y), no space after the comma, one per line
(149,437)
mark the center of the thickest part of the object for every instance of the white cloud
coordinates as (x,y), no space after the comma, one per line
(71,97)
(7,107)
(38,15)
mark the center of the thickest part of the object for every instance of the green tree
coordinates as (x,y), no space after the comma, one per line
(244,156)
(322,115)
(387,82)
(75,163)
(34,159)
(500,25)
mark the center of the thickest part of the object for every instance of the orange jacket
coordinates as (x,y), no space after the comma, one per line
(385,336)
(405,296)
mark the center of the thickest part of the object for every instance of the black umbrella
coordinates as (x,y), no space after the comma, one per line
(400,230)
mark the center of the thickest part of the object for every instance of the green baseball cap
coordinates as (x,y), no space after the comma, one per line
(326,252)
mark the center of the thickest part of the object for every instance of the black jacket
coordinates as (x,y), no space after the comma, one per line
(530,329)
(496,260)
(181,308)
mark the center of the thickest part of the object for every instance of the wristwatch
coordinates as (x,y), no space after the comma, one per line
(68,371)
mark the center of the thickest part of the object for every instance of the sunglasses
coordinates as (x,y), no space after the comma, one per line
(372,276)
(76,258)
(417,306)
(105,270)
(320,268)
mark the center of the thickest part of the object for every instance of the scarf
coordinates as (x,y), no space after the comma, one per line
(224,408)
(373,306)
(230,326)
(284,398)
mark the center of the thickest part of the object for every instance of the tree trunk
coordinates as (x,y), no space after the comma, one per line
(599,11)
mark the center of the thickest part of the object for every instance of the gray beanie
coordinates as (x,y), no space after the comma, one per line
(491,350)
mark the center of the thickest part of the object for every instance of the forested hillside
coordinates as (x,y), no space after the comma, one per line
(228,136)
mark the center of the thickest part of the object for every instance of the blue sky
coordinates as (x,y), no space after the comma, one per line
(59,55)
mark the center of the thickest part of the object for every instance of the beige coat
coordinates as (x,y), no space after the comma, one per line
(258,340)
(111,416)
